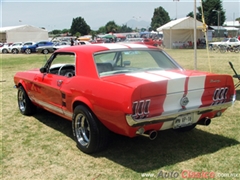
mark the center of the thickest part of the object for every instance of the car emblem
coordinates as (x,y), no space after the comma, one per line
(184,101)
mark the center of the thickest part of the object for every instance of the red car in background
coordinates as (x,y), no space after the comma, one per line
(128,89)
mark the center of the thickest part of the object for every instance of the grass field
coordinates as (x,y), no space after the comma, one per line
(41,147)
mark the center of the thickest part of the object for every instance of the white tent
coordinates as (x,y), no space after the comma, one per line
(180,31)
(22,33)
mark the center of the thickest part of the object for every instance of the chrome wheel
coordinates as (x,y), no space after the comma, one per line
(45,51)
(21,101)
(25,105)
(82,128)
(89,133)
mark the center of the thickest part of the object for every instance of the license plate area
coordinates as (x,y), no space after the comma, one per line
(183,121)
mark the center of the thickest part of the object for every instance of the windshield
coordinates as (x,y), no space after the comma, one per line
(225,40)
(130,61)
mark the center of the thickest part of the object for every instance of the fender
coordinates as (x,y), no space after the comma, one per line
(81,99)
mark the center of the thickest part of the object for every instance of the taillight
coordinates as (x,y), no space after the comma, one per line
(220,95)
(140,109)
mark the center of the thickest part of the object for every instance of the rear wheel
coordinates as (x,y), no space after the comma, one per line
(45,51)
(28,51)
(89,133)
(25,105)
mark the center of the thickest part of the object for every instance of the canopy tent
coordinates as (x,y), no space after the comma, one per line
(180,31)
(22,33)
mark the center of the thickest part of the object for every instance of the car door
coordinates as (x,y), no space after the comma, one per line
(46,88)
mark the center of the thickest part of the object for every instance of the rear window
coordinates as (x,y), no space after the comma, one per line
(130,61)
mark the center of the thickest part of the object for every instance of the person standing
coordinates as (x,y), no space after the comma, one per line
(72,42)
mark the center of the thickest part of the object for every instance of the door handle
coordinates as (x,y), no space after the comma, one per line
(59,82)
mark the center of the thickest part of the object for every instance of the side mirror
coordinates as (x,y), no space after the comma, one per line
(43,70)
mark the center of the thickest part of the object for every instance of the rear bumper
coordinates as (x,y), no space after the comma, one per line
(172,116)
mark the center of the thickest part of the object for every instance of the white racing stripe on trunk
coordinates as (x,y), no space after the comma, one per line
(195,90)
(196,82)
(176,83)
(147,76)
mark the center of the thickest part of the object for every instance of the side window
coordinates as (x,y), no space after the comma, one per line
(63,65)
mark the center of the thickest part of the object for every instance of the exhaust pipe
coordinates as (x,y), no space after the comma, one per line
(151,134)
(205,122)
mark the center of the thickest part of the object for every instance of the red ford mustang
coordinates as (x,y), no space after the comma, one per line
(129,89)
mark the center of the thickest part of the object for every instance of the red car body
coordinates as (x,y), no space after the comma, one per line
(123,99)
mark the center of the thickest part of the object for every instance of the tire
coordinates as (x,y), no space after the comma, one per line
(185,129)
(4,51)
(45,51)
(15,51)
(25,105)
(89,133)
(28,51)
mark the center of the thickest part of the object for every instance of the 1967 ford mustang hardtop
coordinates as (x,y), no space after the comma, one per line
(128,89)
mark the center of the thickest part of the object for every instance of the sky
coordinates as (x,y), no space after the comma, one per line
(58,14)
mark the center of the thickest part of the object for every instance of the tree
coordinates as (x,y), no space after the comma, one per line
(211,8)
(79,25)
(111,26)
(190,14)
(124,28)
(65,31)
(101,30)
(160,17)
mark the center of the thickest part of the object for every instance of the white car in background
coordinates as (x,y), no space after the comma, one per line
(4,48)
(15,48)
(226,42)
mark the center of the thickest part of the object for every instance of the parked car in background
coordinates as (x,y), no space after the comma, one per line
(15,47)
(225,42)
(32,48)
(52,48)
(5,47)
(128,89)
(146,41)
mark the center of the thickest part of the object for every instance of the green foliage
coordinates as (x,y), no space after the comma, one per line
(190,14)
(111,26)
(211,8)
(65,31)
(101,30)
(124,28)
(160,17)
(79,25)
(56,31)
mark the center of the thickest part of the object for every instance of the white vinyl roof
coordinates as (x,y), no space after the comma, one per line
(182,23)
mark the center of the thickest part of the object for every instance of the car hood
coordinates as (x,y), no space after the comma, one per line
(155,83)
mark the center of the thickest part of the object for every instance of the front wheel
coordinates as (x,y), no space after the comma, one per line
(4,51)
(25,105)
(89,133)
(15,51)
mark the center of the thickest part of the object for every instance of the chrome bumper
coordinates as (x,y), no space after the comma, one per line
(171,116)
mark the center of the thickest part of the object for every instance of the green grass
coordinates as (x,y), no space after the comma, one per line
(42,146)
